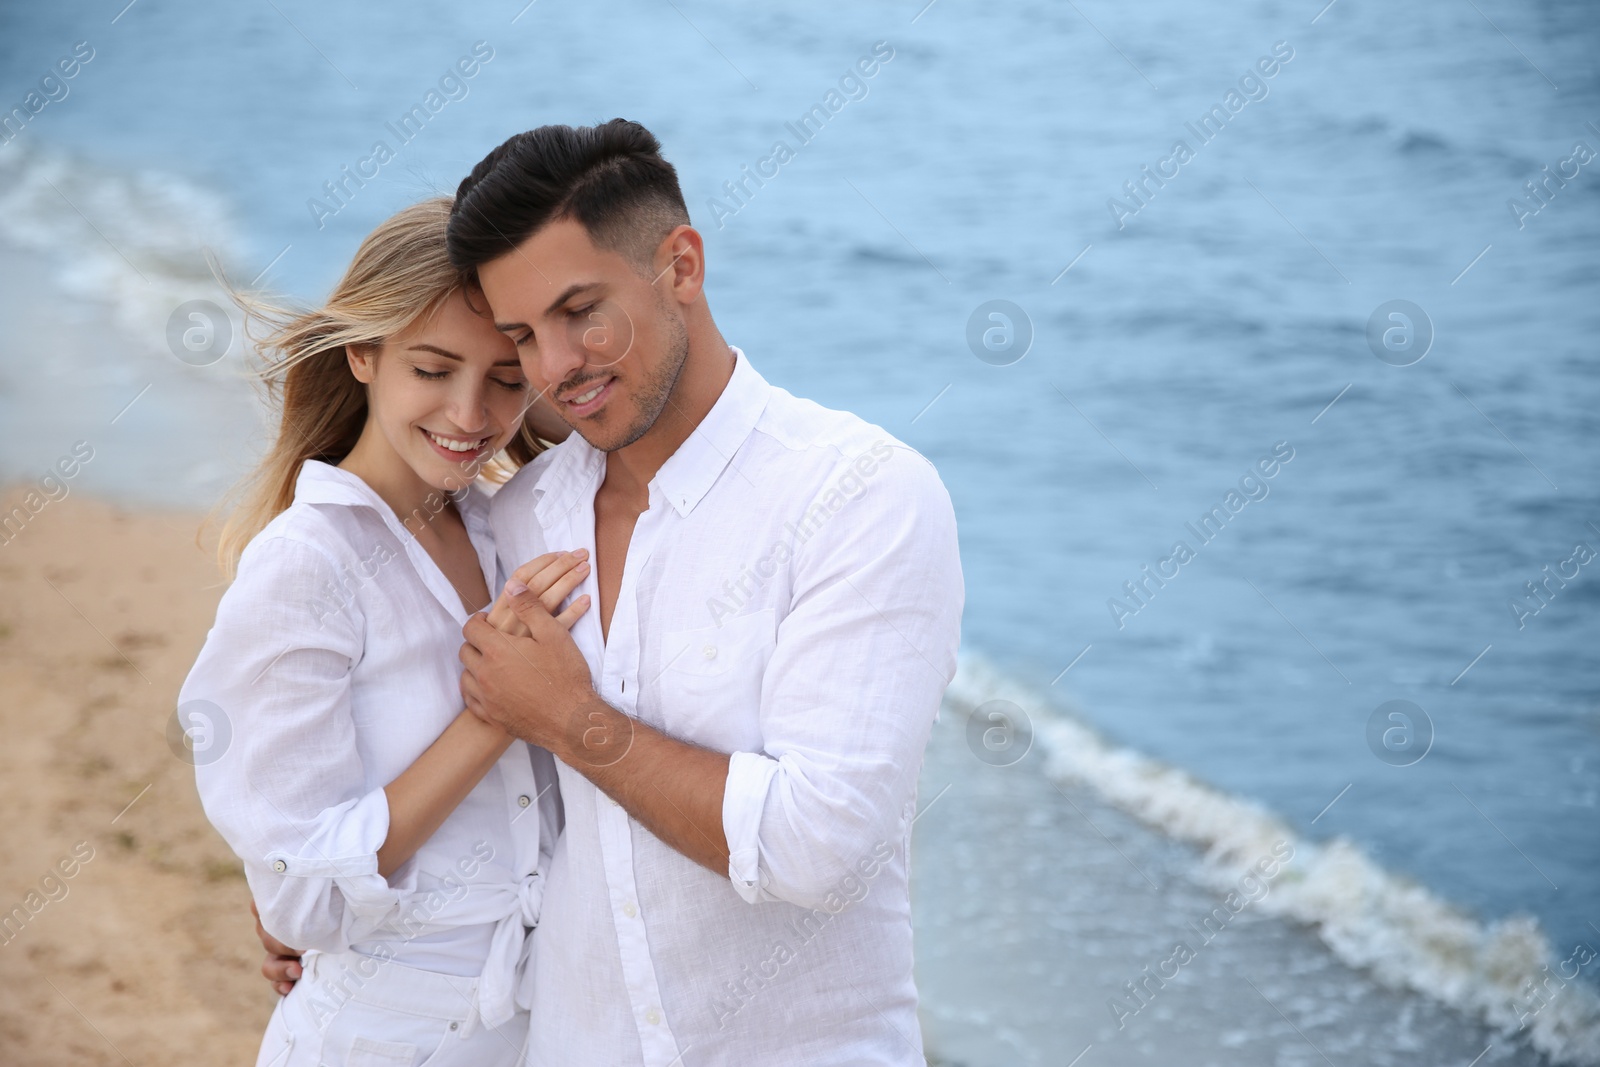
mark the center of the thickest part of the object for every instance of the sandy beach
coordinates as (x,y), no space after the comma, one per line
(146,953)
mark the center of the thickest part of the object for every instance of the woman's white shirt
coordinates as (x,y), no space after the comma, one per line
(331,667)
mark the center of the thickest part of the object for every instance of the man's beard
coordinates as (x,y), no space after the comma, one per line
(655,392)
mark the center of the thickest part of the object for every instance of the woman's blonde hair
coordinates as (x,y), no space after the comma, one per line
(400,275)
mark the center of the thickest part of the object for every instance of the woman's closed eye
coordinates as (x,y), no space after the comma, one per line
(516,386)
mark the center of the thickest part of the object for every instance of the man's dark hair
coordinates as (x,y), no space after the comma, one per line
(610,178)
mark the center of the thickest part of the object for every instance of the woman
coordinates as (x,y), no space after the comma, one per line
(391,834)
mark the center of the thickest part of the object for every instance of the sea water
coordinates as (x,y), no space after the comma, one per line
(1176,322)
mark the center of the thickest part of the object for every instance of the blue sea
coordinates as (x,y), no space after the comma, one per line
(1250,340)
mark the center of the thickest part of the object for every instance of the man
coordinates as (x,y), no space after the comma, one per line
(740,725)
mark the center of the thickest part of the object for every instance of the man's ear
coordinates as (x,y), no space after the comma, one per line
(680,263)
(363,360)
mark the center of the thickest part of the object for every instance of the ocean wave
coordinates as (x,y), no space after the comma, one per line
(135,242)
(1401,932)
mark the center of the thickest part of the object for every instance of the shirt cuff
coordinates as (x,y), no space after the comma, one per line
(343,847)
(744,798)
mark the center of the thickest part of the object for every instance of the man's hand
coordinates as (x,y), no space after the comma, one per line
(537,687)
(282,965)
(534,687)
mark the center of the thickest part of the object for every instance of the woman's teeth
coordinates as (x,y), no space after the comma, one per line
(456,446)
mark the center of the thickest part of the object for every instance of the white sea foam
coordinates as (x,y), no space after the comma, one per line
(135,242)
(1401,932)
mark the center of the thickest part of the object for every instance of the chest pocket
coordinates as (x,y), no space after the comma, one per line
(710,687)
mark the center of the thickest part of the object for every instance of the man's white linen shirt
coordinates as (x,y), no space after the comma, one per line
(792,596)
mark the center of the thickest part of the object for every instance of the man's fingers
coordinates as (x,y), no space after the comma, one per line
(471,694)
(274,946)
(477,634)
(282,971)
(574,611)
(282,968)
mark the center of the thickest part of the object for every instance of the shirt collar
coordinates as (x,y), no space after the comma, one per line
(324,483)
(684,479)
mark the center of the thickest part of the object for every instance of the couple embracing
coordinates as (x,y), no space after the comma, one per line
(611,760)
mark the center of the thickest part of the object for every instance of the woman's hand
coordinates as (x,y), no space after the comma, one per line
(425,793)
(550,577)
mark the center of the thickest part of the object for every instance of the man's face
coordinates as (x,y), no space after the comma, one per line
(610,343)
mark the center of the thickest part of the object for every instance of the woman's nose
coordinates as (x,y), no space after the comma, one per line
(468,409)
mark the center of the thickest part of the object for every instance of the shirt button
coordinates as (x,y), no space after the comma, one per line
(629,910)
(524,800)
(280,866)
(710,651)
(652,1017)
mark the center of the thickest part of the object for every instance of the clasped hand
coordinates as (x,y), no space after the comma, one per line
(522,670)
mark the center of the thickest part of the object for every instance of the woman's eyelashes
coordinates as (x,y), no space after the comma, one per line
(438,375)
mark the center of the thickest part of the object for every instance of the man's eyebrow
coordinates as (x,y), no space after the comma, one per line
(569,292)
(436,350)
(566,294)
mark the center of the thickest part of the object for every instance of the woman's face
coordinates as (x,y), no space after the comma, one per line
(447,394)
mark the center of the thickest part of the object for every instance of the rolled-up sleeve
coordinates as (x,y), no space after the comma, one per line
(851,690)
(284,784)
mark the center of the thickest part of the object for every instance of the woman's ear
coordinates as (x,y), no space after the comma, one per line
(363,359)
